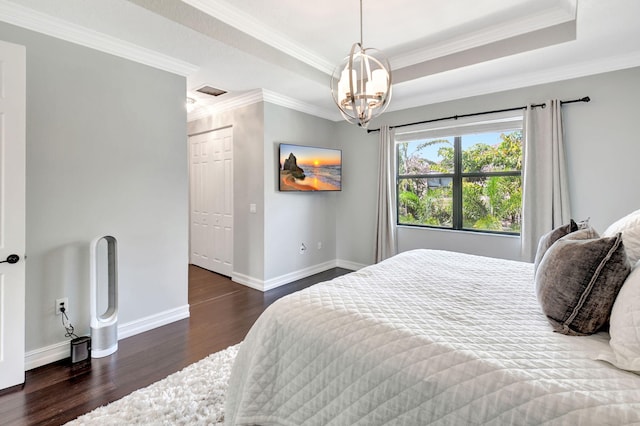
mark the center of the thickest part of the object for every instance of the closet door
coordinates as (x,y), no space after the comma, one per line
(211,197)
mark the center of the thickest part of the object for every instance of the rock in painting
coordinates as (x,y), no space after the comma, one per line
(291,165)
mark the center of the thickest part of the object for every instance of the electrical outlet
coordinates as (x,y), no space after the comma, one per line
(63,302)
(302,249)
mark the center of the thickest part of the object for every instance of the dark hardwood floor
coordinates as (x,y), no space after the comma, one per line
(222,312)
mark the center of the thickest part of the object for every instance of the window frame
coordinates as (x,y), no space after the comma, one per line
(509,123)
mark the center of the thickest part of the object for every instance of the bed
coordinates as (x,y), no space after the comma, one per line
(426,337)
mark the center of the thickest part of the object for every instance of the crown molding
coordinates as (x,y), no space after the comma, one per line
(291,103)
(30,19)
(247,24)
(524,25)
(203,109)
(568,72)
(259,95)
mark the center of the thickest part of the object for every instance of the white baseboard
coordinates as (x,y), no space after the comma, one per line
(296,275)
(153,321)
(248,281)
(264,285)
(47,355)
(61,350)
(346,264)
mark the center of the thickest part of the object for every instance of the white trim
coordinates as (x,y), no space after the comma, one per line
(499,32)
(246,23)
(347,264)
(47,355)
(490,122)
(281,280)
(36,21)
(291,103)
(255,96)
(230,102)
(246,280)
(61,350)
(153,321)
(485,87)
(296,275)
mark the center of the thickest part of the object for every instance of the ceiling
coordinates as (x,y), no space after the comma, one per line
(439,50)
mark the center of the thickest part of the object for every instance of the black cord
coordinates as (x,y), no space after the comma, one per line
(67,325)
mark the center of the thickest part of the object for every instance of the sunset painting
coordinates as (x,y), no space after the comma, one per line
(309,168)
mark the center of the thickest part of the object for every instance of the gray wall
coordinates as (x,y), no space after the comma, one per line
(356,207)
(249,187)
(292,218)
(106,154)
(601,147)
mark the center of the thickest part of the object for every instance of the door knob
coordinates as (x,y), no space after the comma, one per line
(12,258)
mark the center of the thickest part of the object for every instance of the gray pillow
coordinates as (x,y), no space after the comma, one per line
(578,281)
(551,237)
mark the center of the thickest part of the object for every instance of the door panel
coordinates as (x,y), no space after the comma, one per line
(212,201)
(12,213)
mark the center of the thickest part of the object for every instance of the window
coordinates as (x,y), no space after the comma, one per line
(470,179)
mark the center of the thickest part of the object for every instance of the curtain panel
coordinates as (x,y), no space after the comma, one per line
(545,192)
(386,236)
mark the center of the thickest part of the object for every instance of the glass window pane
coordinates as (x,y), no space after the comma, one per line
(423,157)
(492,203)
(425,201)
(492,152)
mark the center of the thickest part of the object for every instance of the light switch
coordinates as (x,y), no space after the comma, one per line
(252,208)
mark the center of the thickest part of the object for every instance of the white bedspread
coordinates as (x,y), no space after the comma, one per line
(427,337)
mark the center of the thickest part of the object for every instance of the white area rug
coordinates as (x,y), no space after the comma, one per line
(192,396)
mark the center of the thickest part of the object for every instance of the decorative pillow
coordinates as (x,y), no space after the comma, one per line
(624,325)
(630,228)
(584,224)
(551,237)
(578,280)
(547,240)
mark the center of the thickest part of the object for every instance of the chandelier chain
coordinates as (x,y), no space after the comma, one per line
(361,42)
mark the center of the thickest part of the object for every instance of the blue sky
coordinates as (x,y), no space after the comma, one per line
(431,152)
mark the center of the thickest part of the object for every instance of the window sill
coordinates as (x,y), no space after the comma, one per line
(457,231)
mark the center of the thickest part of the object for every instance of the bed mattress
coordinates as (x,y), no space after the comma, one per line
(426,337)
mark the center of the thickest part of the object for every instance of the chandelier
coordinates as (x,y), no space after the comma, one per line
(361,83)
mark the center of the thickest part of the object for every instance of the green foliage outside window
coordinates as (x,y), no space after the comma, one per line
(489,177)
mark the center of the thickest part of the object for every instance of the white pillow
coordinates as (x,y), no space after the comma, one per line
(624,325)
(630,228)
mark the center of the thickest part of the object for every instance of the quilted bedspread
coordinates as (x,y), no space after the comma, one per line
(426,337)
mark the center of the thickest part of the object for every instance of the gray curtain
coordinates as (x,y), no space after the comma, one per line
(386,243)
(545,200)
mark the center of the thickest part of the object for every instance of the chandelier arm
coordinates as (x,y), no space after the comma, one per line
(352,92)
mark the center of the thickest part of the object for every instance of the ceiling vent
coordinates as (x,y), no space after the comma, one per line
(208,90)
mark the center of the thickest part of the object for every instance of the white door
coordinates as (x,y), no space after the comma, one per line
(212,201)
(12,213)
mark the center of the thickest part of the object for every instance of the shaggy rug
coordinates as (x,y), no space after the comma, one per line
(192,396)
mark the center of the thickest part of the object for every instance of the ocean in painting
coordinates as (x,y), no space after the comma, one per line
(315,175)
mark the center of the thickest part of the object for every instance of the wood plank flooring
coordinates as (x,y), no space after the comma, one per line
(222,312)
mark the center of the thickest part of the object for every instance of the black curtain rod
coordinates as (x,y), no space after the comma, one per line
(455,117)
